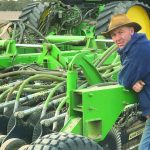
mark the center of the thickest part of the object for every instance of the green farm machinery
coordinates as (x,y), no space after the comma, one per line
(58,79)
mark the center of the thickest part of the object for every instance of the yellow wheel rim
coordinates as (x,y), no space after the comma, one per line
(138,14)
(44,15)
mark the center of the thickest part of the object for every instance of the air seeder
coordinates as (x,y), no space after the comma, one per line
(59,82)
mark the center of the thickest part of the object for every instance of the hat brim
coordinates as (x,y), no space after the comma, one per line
(135,25)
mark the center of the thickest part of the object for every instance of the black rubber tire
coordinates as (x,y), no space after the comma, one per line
(114,8)
(112,140)
(32,12)
(2,137)
(64,141)
(12,144)
(72,2)
(24,147)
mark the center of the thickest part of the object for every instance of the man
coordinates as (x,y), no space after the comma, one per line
(134,51)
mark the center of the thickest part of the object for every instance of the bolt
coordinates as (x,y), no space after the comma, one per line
(90,95)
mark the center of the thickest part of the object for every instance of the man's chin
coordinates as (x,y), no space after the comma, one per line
(121,46)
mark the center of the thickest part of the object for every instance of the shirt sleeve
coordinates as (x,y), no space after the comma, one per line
(136,68)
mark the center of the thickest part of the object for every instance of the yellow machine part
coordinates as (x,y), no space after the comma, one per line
(44,15)
(139,14)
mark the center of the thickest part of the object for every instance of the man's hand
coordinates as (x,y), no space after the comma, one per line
(138,86)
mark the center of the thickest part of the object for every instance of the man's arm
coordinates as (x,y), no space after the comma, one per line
(138,86)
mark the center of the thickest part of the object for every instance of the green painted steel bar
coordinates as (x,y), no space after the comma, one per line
(3,44)
(7,60)
(90,72)
(51,57)
(64,38)
(91,43)
(72,78)
(11,47)
(12,54)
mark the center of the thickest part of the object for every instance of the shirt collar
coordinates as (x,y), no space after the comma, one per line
(126,48)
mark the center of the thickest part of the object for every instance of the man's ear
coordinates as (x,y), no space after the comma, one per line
(131,30)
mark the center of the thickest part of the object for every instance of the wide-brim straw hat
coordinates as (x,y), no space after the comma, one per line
(120,20)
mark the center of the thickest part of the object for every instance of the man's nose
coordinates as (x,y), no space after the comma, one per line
(117,37)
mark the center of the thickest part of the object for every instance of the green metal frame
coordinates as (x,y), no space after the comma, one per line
(52,56)
(94,111)
(86,107)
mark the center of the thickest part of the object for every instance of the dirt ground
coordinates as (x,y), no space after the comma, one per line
(9,15)
(5,17)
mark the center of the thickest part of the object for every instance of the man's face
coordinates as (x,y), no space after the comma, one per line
(121,36)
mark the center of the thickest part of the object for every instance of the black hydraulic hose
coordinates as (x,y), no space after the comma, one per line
(104,54)
(21,31)
(10,94)
(12,90)
(26,72)
(14,30)
(111,66)
(54,103)
(48,122)
(7,86)
(103,59)
(24,99)
(11,68)
(36,31)
(4,94)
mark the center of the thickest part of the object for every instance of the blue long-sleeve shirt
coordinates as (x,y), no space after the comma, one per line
(135,60)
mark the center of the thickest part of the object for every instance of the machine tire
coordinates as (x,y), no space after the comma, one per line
(2,137)
(24,147)
(32,12)
(13,144)
(115,8)
(64,141)
(112,140)
(71,2)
